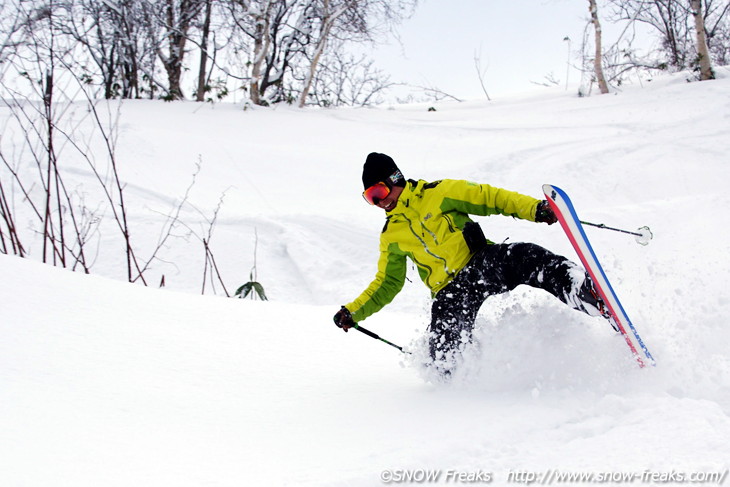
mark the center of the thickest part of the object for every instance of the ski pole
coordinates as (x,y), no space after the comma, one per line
(371,334)
(643,235)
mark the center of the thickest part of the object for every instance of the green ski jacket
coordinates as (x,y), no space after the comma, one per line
(427,226)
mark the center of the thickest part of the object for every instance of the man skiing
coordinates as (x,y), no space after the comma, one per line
(430,224)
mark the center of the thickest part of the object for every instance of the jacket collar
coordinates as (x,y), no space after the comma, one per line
(410,192)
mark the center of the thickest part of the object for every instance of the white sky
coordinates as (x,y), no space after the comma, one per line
(520,41)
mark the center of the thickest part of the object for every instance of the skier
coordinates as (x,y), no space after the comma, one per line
(429,223)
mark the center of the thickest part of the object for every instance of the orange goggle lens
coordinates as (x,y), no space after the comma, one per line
(376,193)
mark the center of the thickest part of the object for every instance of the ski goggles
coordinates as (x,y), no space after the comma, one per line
(376,193)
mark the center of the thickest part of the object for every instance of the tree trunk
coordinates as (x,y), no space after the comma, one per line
(703,53)
(598,59)
(259,53)
(328,20)
(262,41)
(671,21)
(200,95)
(172,61)
(178,23)
(313,67)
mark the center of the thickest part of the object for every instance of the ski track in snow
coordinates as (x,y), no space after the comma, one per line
(106,383)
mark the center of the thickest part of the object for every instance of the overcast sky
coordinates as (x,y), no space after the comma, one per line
(521,41)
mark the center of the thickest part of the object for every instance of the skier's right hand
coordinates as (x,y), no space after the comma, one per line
(545,214)
(343,319)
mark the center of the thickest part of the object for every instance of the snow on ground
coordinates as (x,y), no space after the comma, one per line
(106,383)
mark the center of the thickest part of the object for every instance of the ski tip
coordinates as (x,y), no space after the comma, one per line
(550,192)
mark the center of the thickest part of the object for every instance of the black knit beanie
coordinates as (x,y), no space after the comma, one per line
(380,167)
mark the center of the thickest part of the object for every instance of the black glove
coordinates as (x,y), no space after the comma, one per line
(343,319)
(545,214)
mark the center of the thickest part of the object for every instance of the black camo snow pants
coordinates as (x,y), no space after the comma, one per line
(496,269)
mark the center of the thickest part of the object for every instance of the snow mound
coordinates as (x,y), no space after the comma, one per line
(107,383)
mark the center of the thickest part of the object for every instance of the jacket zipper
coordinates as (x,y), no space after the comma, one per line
(433,235)
(425,245)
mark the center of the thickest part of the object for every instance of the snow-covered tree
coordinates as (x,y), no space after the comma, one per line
(290,39)
(682,26)
(349,21)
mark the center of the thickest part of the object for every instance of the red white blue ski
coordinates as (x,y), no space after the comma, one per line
(564,210)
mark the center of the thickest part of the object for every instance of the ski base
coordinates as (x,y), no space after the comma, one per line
(565,212)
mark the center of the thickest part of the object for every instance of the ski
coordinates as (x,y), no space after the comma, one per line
(565,212)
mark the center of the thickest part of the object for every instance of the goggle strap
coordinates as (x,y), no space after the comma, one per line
(396,177)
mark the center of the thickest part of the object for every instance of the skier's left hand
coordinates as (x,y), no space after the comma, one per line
(545,214)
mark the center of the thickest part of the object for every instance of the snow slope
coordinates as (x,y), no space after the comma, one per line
(106,383)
